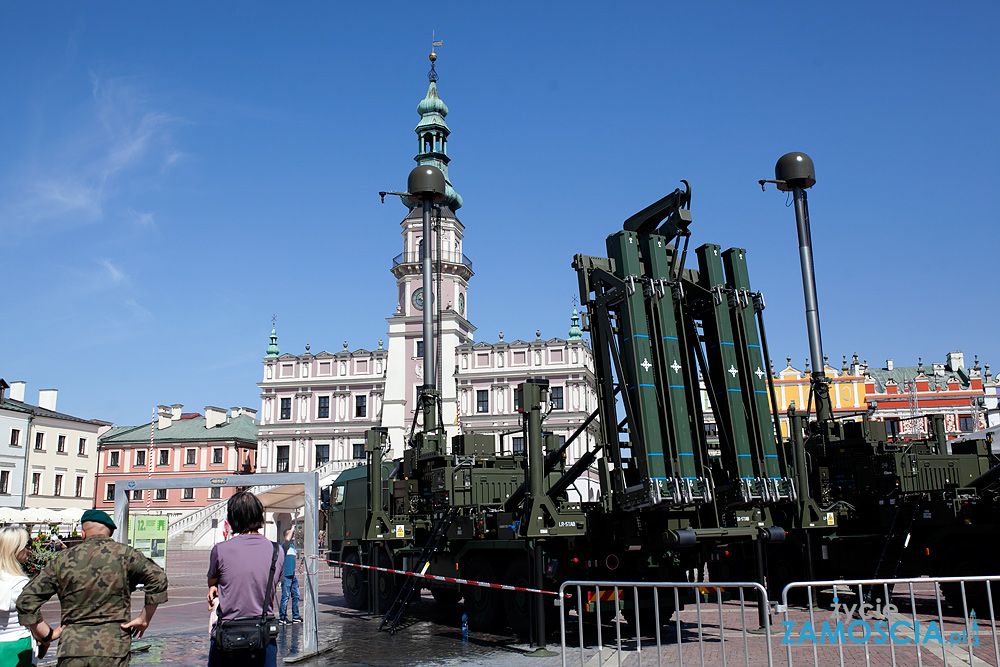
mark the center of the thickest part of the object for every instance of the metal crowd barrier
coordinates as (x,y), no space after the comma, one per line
(863,620)
(712,626)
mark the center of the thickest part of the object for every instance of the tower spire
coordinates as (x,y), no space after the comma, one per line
(432,136)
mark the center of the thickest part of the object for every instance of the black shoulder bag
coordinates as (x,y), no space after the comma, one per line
(250,633)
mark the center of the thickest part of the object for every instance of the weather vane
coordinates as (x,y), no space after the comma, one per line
(433,75)
(274,320)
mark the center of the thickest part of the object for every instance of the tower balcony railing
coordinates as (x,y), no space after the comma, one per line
(417,258)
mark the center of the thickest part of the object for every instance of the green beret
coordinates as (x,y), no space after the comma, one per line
(97,516)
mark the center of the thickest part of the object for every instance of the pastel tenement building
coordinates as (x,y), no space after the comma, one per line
(184,444)
(901,396)
(48,459)
(315,408)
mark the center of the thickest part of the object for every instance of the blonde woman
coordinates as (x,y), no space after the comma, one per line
(15,640)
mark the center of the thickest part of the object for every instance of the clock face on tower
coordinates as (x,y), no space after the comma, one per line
(418,298)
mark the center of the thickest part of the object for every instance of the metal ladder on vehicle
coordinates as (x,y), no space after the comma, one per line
(896,541)
(395,612)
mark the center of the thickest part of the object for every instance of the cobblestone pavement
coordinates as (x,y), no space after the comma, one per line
(711,634)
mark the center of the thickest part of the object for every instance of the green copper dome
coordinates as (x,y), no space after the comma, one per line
(432,103)
(574,329)
(272,349)
(432,143)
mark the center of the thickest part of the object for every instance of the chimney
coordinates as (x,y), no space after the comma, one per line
(17,391)
(235,412)
(3,389)
(214,416)
(176,411)
(162,416)
(47,399)
(888,364)
(955,360)
(250,412)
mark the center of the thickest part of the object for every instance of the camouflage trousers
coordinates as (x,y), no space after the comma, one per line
(94,661)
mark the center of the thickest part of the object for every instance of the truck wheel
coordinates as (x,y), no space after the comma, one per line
(517,604)
(354,583)
(483,606)
(968,562)
(447,595)
(387,584)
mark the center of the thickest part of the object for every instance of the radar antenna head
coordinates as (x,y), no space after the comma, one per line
(794,170)
(426,182)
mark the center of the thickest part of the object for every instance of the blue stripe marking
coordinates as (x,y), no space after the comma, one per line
(655,454)
(758,391)
(689,478)
(647,385)
(676,386)
(746,477)
(756,346)
(741,455)
(670,338)
(725,343)
(685,454)
(641,336)
(736,390)
(625,340)
(660,478)
(770,456)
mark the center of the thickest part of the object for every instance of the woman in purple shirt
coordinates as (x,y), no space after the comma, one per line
(237,576)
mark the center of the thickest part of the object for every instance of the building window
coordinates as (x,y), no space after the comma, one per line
(557,398)
(192,457)
(217,455)
(283,458)
(164,457)
(113,463)
(965,423)
(286,408)
(58,486)
(517,400)
(4,481)
(61,444)
(360,406)
(140,458)
(39,440)
(359,450)
(81,447)
(214,493)
(420,348)
(322,454)
(891,427)
(324,407)
(189,494)
(137,495)
(518,442)
(109,494)
(482,400)
(15,437)
(161,494)
(79,487)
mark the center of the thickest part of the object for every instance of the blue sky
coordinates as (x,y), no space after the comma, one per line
(174,174)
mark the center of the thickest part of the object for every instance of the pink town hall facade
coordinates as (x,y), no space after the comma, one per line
(316,407)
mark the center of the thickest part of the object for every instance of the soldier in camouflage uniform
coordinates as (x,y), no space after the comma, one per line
(94,581)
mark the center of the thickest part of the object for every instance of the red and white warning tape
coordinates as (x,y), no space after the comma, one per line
(435,577)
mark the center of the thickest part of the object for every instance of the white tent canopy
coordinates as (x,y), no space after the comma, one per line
(38,515)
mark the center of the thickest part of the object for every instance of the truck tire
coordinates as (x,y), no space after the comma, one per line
(966,561)
(483,606)
(354,583)
(387,584)
(517,604)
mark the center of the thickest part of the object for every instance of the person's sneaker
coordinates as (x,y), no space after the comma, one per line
(296,620)
(283,621)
